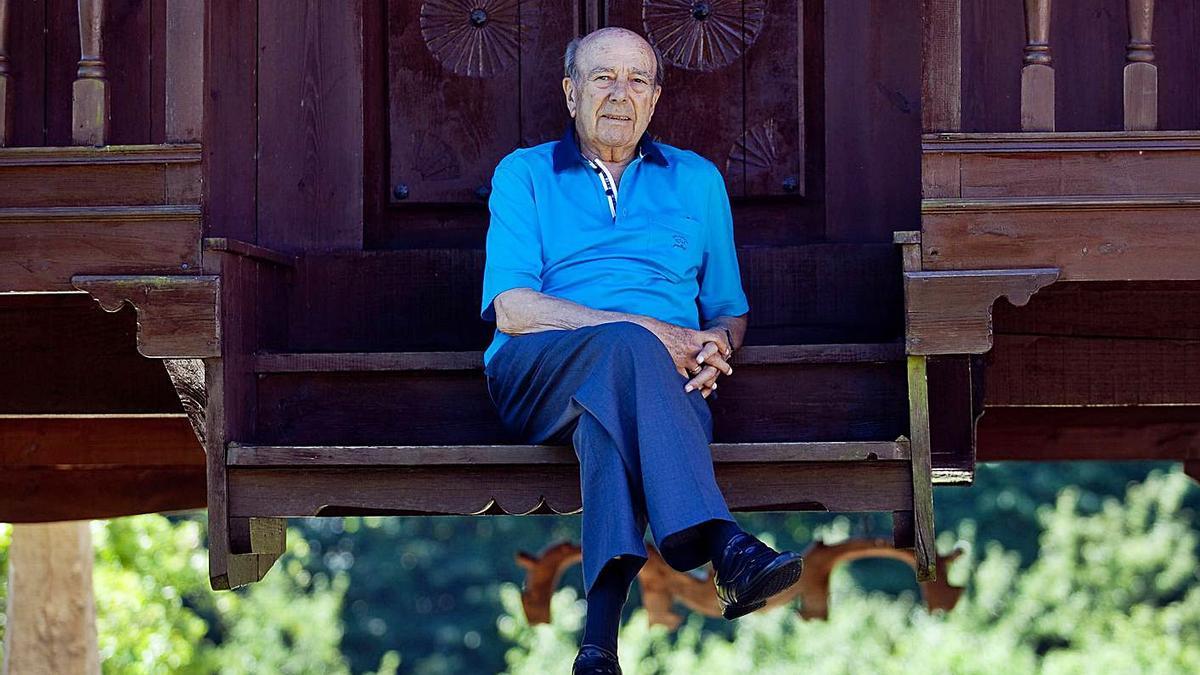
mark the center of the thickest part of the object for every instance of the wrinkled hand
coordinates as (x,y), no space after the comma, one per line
(697,354)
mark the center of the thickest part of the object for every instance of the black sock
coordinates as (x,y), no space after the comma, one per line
(604,604)
(717,535)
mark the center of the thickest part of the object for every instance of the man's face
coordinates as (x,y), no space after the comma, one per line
(614,98)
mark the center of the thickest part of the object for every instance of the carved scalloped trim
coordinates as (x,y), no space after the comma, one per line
(160,301)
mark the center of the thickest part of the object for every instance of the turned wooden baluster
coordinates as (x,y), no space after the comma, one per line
(89,95)
(1141,74)
(1037,75)
(6,83)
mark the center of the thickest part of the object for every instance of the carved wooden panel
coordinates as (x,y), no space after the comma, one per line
(461,73)
(732,90)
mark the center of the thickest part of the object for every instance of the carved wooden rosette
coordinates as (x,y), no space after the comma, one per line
(475,38)
(704,35)
(662,586)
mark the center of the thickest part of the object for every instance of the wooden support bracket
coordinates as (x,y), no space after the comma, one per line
(177,315)
(950,312)
(255,543)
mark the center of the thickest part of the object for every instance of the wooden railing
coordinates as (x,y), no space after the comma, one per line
(180,36)
(942,95)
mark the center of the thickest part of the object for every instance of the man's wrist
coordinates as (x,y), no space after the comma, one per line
(729,337)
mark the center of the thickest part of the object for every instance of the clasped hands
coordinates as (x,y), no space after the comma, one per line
(700,355)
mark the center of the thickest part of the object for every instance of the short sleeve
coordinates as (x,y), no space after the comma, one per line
(513,257)
(720,278)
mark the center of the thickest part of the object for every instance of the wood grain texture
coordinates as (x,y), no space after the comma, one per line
(542,455)
(49,494)
(177,315)
(951,312)
(183,74)
(83,441)
(941,93)
(924,548)
(1087,238)
(230,124)
(501,489)
(310,134)
(46,246)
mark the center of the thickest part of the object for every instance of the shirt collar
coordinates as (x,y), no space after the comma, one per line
(566,151)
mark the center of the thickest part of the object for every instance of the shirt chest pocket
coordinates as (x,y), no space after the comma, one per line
(675,243)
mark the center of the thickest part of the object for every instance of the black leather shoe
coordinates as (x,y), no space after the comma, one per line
(754,573)
(594,660)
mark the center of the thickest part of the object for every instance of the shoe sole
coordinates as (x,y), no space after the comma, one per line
(769,586)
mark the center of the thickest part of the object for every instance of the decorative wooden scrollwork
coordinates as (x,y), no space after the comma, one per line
(703,34)
(476,38)
(662,586)
(758,149)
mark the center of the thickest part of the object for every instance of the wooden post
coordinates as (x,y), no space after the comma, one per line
(51,627)
(924,548)
(941,59)
(6,83)
(1037,75)
(1141,74)
(90,108)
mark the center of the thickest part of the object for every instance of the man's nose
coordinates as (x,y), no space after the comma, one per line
(620,91)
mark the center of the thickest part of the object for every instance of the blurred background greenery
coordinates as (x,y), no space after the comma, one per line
(1078,567)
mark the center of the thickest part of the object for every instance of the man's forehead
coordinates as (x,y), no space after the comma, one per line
(619,49)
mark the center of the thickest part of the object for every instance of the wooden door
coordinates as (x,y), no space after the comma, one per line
(732,91)
(460,73)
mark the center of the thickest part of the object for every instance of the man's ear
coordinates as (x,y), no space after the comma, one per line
(654,99)
(569,93)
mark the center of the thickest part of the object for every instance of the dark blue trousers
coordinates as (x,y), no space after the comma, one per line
(642,442)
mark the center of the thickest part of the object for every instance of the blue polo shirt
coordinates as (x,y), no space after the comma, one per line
(662,248)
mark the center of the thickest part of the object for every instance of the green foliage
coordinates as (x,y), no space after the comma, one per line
(1116,587)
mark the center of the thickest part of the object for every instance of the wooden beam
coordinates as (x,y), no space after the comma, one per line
(921,470)
(44,247)
(184,70)
(80,441)
(1108,433)
(51,621)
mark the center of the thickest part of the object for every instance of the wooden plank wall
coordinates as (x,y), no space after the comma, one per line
(1087,45)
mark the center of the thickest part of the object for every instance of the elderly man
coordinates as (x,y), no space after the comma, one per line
(606,252)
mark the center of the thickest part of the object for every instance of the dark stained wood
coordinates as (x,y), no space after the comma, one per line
(1014,165)
(824,402)
(428,299)
(7,90)
(879,486)
(1088,238)
(183,71)
(1093,371)
(1109,433)
(310,135)
(872,119)
(84,358)
(941,93)
(242,248)
(451,117)
(49,245)
(772,149)
(38,495)
(956,389)
(1116,309)
(230,121)
(109,176)
(268,362)
(82,441)
(550,24)
(950,312)
(177,315)
(704,79)
(474,455)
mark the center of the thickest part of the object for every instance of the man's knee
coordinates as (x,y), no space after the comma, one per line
(629,338)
